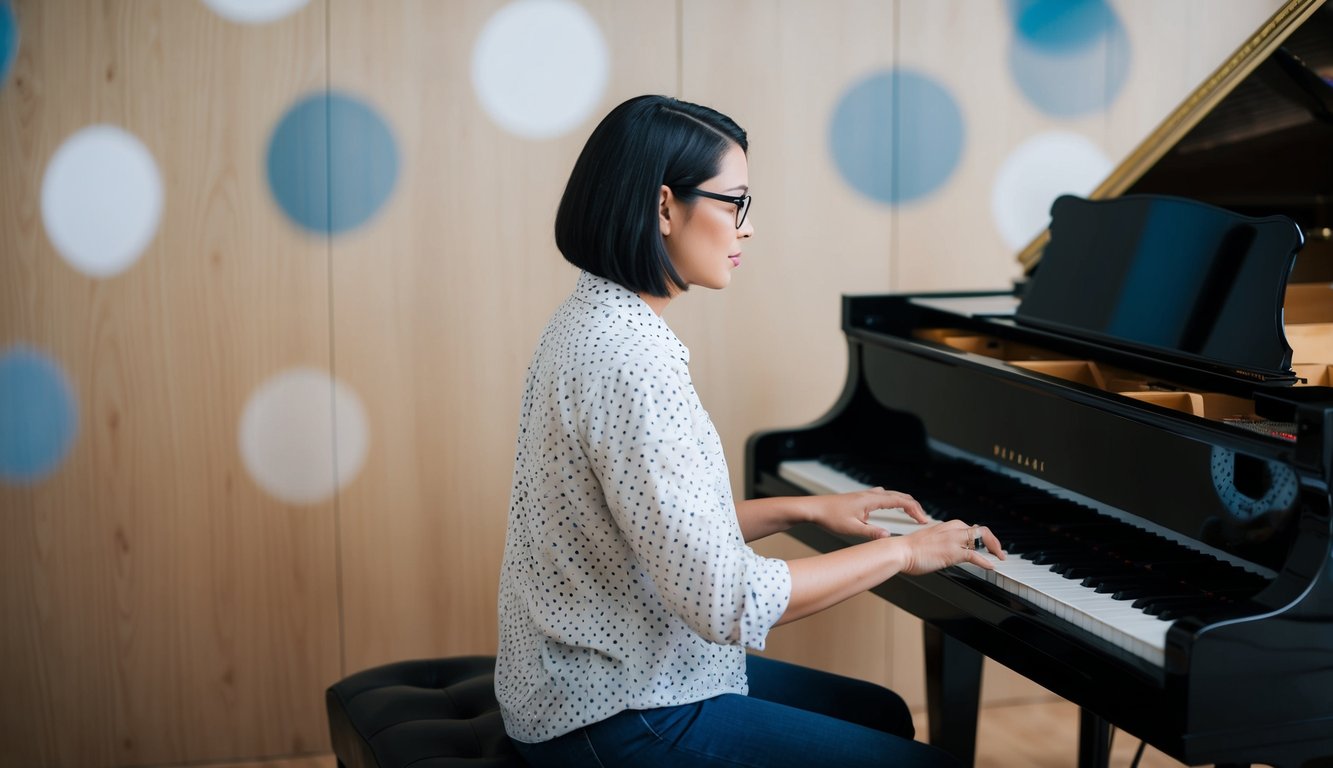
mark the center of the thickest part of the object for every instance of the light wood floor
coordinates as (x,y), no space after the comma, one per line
(1029,735)
(1043,735)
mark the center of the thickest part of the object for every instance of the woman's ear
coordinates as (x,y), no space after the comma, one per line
(664,200)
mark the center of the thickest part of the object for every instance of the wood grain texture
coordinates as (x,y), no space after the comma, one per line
(1176,46)
(173,612)
(308,761)
(950,240)
(768,352)
(158,606)
(1032,734)
(438,304)
(947,240)
(1043,734)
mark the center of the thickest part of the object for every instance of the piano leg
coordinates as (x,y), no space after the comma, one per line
(953,699)
(953,693)
(1094,740)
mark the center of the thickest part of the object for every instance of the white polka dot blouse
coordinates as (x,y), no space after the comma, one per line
(626,583)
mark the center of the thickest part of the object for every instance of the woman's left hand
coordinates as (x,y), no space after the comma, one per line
(849,513)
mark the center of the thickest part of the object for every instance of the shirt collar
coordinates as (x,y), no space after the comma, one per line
(598,291)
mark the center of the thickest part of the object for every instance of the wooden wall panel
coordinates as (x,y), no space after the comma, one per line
(157,606)
(949,241)
(768,351)
(160,607)
(438,305)
(789,63)
(1176,46)
(946,240)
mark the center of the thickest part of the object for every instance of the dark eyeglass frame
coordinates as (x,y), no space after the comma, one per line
(742,203)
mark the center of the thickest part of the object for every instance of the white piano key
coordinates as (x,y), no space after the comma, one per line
(897,527)
(820,479)
(1115,621)
(817,477)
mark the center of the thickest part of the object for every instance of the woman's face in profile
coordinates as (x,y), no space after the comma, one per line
(702,239)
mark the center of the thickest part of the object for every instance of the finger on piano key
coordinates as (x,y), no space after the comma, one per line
(893,515)
(896,514)
(897,526)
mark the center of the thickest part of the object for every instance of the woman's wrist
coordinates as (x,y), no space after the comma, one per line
(897,553)
(806,509)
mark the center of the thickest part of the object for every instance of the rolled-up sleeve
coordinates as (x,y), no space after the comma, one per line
(665,481)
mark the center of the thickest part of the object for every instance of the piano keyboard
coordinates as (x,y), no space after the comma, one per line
(1129,612)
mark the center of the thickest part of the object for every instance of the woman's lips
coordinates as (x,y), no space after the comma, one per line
(735,259)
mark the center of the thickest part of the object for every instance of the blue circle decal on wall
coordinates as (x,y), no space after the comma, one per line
(332,162)
(896,136)
(1056,26)
(1068,57)
(9,39)
(39,416)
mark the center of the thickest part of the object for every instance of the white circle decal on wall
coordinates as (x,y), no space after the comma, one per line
(288,438)
(1038,171)
(539,67)
(254,11)
(101,200)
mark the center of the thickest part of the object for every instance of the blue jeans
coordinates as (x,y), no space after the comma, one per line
(794,716)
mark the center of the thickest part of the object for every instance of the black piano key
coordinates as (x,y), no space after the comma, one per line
(1124,580)
(1134,593)
(1103,586)
(1052,555)
(1105,555)
(1153,604)
(1181,612)
(1083,572)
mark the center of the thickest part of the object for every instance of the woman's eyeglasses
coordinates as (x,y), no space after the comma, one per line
(742,203)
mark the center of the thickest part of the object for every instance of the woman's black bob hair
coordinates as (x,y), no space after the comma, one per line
(607,221)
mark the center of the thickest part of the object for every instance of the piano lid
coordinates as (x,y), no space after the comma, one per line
(1256,137)
(1168,276)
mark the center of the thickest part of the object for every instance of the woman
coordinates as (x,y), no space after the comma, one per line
(628,593)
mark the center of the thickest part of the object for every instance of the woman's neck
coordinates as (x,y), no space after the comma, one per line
(655,303)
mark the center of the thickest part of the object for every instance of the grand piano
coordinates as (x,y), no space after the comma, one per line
(1146,423)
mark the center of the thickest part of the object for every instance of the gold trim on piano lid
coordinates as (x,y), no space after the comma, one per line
(1015,457)
(1199,103)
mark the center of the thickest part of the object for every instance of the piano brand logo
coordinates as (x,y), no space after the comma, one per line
(1014,457)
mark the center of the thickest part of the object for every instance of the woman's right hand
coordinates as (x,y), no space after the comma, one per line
(945,544)
(825,580)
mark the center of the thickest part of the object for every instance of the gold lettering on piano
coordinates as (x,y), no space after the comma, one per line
(1004,453)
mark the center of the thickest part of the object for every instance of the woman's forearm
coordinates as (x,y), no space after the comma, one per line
(822,581)
(763,517)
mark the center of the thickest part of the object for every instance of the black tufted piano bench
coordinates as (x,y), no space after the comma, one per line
(431,713)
